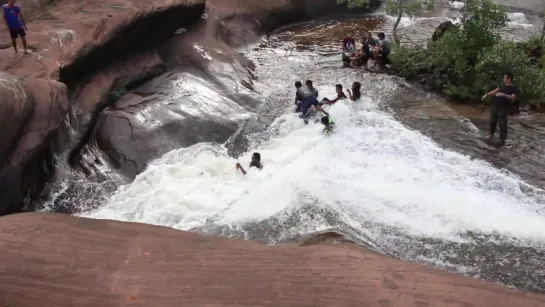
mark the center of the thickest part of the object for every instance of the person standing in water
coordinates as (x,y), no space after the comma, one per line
(301,93)
(15,24)
(502,95)
(256,162)
(313,90)
(355,94)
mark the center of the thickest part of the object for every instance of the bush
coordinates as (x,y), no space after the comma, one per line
(470,60)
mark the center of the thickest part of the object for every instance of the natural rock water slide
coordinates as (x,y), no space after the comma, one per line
(129,91)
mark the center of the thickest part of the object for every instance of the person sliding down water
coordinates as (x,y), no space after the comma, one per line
(256,162)
(328,123)
(301,94)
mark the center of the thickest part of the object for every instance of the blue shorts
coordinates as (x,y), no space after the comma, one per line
(307,103)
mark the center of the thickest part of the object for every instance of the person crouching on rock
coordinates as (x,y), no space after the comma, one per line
(13,17)
(256,162)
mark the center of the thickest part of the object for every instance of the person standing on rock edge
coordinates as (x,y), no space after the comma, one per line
(500,104)
(15,23)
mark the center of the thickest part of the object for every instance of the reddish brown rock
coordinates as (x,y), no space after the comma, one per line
(59,260)
(97,46)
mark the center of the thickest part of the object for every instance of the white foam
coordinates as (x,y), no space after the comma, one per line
(372,169)
(518,20)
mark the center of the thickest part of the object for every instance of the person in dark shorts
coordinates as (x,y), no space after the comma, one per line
(381,52)
(501,97)
(340,95)
(256,162)
(15,22)
(301,93)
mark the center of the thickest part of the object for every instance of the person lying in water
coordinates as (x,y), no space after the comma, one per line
(328,123)
(256,162)
(340,95)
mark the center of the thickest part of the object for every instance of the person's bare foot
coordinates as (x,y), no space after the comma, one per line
(26,52)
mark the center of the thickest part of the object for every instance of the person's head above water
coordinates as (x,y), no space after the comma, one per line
(326,121)
(256,160)
(356,86)
(298,84)
(309,83)
(339,88)
(381,35)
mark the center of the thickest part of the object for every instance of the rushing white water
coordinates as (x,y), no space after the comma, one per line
(372,169)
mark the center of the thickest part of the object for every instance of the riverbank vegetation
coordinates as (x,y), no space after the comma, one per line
(468,59)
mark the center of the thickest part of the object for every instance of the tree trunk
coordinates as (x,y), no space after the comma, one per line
(394,31)
(543,32)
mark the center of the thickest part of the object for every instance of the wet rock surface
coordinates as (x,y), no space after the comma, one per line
(142,265)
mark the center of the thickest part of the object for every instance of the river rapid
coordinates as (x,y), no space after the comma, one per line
(404,172)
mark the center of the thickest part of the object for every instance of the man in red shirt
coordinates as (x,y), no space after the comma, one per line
(15,23)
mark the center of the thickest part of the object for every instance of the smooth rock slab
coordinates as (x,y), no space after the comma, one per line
(61,260)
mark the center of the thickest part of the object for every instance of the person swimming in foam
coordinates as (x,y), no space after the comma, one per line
(328,123)
(355,94)
(256,162)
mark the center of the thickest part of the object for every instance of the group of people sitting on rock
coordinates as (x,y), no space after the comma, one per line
(374,49)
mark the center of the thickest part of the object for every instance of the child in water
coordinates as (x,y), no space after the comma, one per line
(329,125)
(256,162)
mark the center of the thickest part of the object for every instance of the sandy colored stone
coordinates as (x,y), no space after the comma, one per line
(59,260)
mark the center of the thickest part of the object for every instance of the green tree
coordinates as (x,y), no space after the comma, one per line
(395,7)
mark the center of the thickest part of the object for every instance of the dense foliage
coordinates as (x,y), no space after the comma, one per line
(395,7)
(470,59)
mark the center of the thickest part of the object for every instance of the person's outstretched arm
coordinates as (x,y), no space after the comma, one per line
(241,169)
(491,93)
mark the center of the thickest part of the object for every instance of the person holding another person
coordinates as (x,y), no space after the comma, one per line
(301,93)
(313,90)
(340,95)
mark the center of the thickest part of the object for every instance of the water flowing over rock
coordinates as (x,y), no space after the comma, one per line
(97,50)
(83,262)
(70,41)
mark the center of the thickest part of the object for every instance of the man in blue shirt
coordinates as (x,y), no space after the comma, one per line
(15,23)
